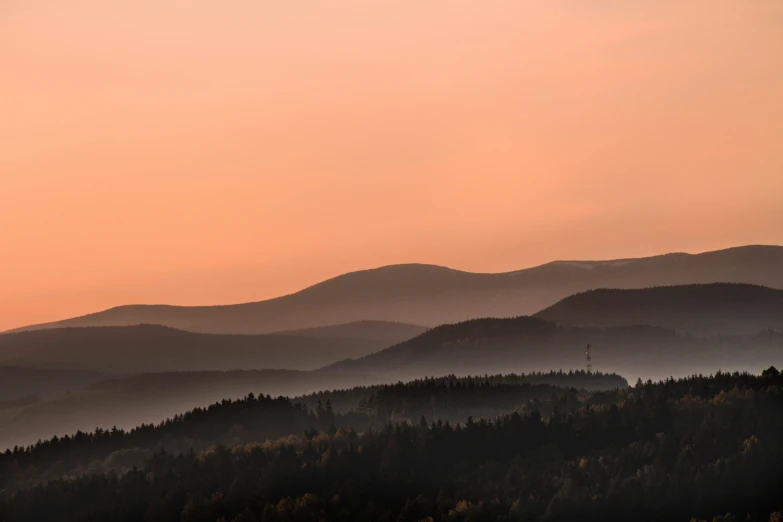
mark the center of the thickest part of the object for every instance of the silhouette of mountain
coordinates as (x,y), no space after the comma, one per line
(154,348)
(385,331)
(432,295)
(709,309)
(18,382)
(527,344)
(484,346)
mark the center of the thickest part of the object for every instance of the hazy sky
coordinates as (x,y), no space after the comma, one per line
(201,152)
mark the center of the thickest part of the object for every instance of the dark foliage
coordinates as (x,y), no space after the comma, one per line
(420,396)
(252,418)
(671,450)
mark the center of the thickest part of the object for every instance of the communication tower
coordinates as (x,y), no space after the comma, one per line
(589,359)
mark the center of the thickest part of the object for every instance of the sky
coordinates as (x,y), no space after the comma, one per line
(199,152)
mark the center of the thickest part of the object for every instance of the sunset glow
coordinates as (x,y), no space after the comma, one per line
(211,152)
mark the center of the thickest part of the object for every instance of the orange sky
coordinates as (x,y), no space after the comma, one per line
(200,152)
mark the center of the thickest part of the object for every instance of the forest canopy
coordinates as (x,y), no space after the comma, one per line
(700,448)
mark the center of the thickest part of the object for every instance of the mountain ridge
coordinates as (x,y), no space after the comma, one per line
(154,348)
(526,344)
(370,330)
(698,309)
(430,294)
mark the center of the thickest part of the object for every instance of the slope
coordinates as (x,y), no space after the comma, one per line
(526,344)
(153,348)
(710,309)
(384,331)
(17,382)
(431,295)
(150,398)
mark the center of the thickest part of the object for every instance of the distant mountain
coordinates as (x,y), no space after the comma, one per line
(383,331)
(526,344)
(710,309)
(18,382)
(433,295)
(154,348)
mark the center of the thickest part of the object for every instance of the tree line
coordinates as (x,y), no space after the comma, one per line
(258,418)
(702,447)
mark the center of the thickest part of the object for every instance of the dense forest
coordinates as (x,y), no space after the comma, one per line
(707,447)
(258,418)
(435,397)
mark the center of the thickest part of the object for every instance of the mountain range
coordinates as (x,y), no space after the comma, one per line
(476,347)
(430,295)
(708,310)
(155,348)
(691,314)
(526,344)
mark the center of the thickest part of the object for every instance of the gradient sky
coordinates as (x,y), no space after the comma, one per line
(201,152)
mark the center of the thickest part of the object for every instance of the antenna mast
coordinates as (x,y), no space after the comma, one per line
(589,359)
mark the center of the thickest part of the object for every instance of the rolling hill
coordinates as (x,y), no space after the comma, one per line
(150,398)
(383,331)
(526,344)
(709,309)
(154,348)
(432,295)
(477,347)
(18,382)
(129,401)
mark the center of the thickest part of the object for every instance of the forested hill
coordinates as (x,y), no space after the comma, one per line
(527,344)
(419,396)
(141,399)
(432,295)
(700,447)
(706,310)
(259,418)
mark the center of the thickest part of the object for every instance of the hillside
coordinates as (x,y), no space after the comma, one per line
(384,331)
(152,348)
(129,401)
(711,309)
(432,295)
(17,382)
(672,450)
(526,344)
(150,398)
